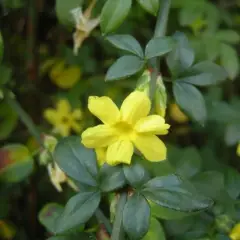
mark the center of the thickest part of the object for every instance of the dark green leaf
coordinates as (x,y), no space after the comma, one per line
(228,36)
(187,162)
(124,67)
(171,192)
(1,47)
(182,56)
(232,134)
(78,210)
(155,232)
(190,100)
(8,120)
(205,74)
(6,74)
(167,213)
(229,60)
(63,10)
(150,6)
(111,178)
(158,47)
(77,161)
(49,214)
(136,174)
(113,14)
(136,216)
(232,182)
(209,183)
(77,236)
(127,43)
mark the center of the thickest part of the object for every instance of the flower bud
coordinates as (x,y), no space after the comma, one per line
(160,97)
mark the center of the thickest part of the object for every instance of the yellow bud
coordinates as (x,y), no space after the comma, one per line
(7,230)
(176,114)
(238,149)
(235,232)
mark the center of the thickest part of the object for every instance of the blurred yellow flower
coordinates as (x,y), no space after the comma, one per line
(84,25)
(238,149)
(125,128)
(235,232)
(63,76)
(101,155)
(176,114)
(7,230)
(63,118)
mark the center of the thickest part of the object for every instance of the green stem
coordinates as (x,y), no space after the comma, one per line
(103,220)
(24,117)
(160,31)
(118,233)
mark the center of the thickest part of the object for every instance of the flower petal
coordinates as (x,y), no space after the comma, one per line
(76,127)
(51,115)
(151,147)
(104,109)
(135,106)
(101,155)
(99,136)
(63,107)
(119,152)
(77,114)
(154,124)
(63,129)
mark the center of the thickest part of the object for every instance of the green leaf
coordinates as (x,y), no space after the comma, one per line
(182,56)
(209,183)
(63,10)
(8,120)
(135,173)
(158,47)
(78,210)
(136,216)
(49,214)
(228,36)
(113,14)
(187,163)
(155,232)
(232,182)
(171,192)
(76,236)
(150,6)
(190,99)
(111,178)
(204,74)
(77,161)
(232,134)
(127,43)
(167,213)
(6,75)
(1,47)
(124,67)
(16,163)
(229,60)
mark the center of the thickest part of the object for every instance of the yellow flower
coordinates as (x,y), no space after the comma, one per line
(235,232)
(63,119)
(84,25)
(176,114)
(238,149)
(125,128)
(101,155)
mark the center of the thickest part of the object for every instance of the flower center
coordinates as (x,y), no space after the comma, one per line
(124,130)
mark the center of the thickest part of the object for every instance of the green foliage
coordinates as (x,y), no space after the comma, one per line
(1,48)
(113,14)
(124,67)
(150,6)
(77,211)
(155,231)
(136,216)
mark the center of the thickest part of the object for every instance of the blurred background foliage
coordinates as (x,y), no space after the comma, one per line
(41,69)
